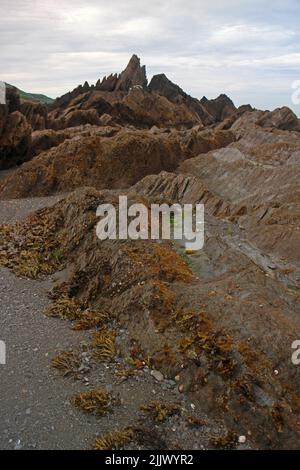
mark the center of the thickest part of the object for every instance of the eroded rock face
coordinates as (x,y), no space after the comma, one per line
(139,108)
(163,86)
(81,117)
(219,108)
(64,100)
(15,139)
(152,109)
(107,83)
(17,121)
(48,138)
(84,149)
(35,113)
(3,116)
(280,118)
(116,162)
(196,141)
(128,99)
(133,75)
(255,183)
(12,99)
(44,140)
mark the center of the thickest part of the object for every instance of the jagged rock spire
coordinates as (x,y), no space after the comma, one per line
(134,74)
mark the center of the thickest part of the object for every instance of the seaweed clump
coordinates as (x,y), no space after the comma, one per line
(74,309)
(67,363)
(194,422)
(277,417)
(33,247)
(200,337)
(227,441)
(90,319)
(103,345)
(162,262)
(65,308)
(94,401)
(159,412)
(115,439)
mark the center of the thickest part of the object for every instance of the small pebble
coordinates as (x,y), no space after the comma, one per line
(157,375)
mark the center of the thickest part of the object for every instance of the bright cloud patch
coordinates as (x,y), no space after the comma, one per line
(249,49)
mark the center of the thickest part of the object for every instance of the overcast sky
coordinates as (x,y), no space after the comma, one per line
(248,49)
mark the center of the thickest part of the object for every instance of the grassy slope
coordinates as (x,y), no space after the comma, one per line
(35,97)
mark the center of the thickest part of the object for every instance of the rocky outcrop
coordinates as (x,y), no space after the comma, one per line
(219,108)
(128,100)
(281,118)
(44,140)
(64,100)
(49,138)
(81,117)
(116,162)
(210,111)
(163,86)
(108,83)
(15,131)
(257,182)
(12,99)
(3,117)
(151,109)
(35,113)
(15,139)
(228,122)
(139,108)
(195,141)
(73,156)
(133,75)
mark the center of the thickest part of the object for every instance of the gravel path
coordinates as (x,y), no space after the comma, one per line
(16,209)
(33,401)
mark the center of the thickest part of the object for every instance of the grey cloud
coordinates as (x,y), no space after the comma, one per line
(249,49)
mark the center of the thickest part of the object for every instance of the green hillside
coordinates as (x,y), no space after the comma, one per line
(34,96)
